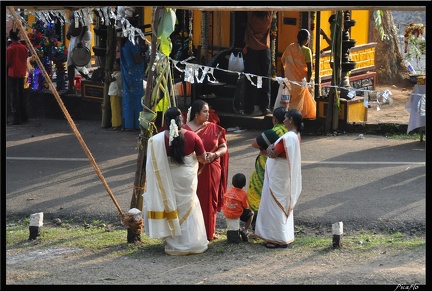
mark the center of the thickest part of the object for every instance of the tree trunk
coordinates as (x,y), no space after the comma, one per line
(389,64)
(109,61)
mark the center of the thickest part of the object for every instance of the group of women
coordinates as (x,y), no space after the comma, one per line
(282,183)
(187,174)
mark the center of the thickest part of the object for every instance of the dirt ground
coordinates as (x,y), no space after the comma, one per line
(391,110)
(246,263)
(243,264)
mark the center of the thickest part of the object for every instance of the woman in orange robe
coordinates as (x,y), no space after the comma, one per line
(297,63)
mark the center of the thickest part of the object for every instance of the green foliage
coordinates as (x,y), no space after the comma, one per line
(378,15)
(413,135)
(165,29)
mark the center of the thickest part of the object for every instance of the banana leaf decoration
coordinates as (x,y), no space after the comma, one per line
(162,95)
(165,29)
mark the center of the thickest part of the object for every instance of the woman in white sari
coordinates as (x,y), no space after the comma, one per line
(282,185)
(172,210)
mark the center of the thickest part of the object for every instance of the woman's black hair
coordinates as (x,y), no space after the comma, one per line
(176,149)
(13,34)
(303,35)
(297,118)
(260,14)
(239,180)
(196,107)
(279,113)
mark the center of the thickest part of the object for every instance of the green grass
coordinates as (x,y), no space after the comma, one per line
(414,136)
(364,240)
(93,236)
(100,238)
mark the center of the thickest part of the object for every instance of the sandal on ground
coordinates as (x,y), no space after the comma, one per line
(244,236)
(275,246)
(252,236)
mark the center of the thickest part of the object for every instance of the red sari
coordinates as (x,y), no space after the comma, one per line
(212,178)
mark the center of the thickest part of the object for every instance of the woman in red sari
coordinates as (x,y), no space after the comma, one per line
(212,177)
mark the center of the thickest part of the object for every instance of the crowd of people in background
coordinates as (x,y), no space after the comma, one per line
(296,61)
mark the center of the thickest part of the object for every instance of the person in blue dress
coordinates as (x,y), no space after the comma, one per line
(132,65)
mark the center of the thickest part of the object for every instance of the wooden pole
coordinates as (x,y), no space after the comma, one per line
(317,79)
(332,118)
(109,61)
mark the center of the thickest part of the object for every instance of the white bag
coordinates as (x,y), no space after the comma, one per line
(235,63)
(283,97)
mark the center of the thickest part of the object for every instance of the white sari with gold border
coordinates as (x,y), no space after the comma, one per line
(171,207)
(281,189)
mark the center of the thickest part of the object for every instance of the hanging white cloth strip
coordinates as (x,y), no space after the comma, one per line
(203,75)
(189,73)
(248,76)
(210,73)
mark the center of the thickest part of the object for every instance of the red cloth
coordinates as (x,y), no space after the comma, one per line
(280,148)
(235,202)
(193,143)
(213,177)
(213,117)
(16,59)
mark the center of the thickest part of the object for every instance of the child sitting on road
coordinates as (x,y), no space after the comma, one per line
(236,208)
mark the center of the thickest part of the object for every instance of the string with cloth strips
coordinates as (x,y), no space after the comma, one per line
(192,71)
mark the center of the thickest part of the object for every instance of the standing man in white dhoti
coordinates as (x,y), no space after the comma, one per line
(282,185)
(172,210)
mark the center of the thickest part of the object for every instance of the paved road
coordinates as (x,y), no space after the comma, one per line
(369,182)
